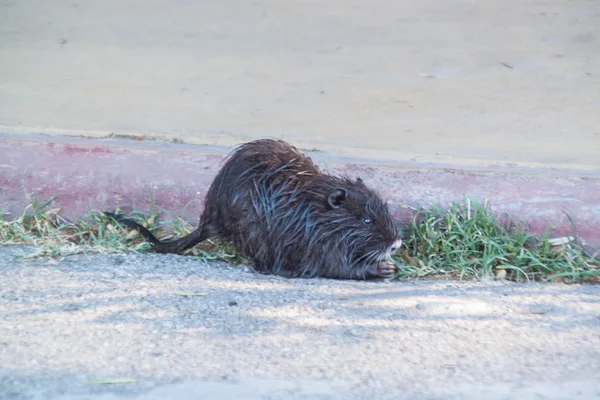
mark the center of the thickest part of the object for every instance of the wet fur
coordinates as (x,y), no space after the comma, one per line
(277,208)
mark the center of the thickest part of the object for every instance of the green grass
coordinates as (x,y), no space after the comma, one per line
(466,240)
(463,241)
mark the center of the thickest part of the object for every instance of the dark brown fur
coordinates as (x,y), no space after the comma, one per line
(276,207)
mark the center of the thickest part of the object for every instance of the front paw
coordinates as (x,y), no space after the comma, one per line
(387,269)
(383,270)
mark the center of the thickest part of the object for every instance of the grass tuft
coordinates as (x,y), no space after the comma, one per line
(464,241)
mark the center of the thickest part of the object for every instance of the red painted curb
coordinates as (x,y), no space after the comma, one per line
(101,174)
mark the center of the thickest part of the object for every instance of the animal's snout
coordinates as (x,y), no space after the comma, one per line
(396,246)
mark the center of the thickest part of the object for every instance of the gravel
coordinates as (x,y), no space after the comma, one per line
(177,328)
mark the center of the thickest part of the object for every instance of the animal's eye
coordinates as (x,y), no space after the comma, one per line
(367,220)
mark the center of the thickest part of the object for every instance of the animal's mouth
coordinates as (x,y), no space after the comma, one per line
(391,250)
(380,255)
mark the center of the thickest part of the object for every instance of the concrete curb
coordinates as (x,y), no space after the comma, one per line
(100,174)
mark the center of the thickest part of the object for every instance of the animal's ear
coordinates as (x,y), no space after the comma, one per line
(337,198)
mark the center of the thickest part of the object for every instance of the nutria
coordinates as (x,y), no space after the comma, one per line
(277,208)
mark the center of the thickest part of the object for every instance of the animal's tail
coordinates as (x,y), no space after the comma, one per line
(174,246)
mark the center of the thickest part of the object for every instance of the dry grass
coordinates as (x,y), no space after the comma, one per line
(54,236)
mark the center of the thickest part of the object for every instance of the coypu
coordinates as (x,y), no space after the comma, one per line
(276,207)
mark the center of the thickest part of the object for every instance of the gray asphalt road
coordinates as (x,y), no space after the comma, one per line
(186,330)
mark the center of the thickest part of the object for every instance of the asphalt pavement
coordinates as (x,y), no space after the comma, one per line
(148,326)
